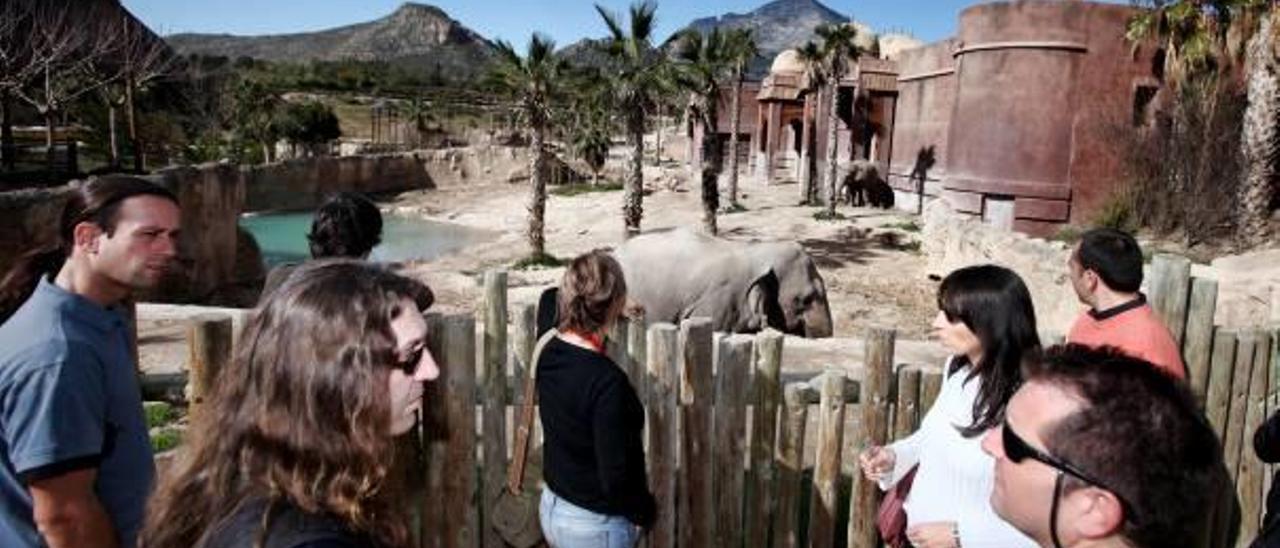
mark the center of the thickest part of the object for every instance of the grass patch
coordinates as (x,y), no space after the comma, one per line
(824,216)
(905,226)
(158,413)
(734,208)
(535,262)
(584,188)
(165,438)
(1068,234)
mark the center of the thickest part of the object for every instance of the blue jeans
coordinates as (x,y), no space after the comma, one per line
(568,526)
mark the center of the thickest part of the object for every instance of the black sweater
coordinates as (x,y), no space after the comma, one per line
(592,422)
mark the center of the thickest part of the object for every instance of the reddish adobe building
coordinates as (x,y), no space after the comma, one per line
(1011,121)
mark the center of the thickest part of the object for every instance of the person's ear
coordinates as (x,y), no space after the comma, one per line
(1091,279)
(1094,512)
(85,236)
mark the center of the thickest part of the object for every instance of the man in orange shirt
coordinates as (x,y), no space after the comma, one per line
(1106,272)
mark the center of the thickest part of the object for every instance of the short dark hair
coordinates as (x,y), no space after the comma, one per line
(348,224)
(1141,433)
(592,288)
(1114,255)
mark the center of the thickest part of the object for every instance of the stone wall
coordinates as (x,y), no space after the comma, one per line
(304,183)
(1248,285)
(953,241)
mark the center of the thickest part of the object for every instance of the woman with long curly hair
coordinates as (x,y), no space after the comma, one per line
(294,446)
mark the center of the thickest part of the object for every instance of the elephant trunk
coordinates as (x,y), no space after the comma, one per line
(817,321)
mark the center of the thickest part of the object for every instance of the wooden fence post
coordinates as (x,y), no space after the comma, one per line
(697,524)
(826,472)
(1249,481)
(1221,369)
(637,334)
(874,401)
(492,379)
(1169,287)
(1246,345)
(907,406)
(663,355)
(734,369)
(208,353)
(790,467)
(450,431)
(764,433)
(526,337)
(930,386)
(1197,346)
(616,344)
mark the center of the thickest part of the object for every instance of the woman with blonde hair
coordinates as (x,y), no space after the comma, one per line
(294,446)
(596,491)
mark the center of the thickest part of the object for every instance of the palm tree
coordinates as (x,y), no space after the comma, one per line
(816,80)
(742,49)
(1260,141)
(533,80)
(637,72)
(838,49)
(1198,39)
(703,64)
(419,112)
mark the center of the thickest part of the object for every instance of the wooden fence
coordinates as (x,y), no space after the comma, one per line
(731,460)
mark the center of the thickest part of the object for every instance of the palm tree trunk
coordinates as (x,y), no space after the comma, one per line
(7,147)
(657,145)
(537,195)
(832,120)
(1260,141)
(733,140)
(633,194)
(712,163)
(810,109)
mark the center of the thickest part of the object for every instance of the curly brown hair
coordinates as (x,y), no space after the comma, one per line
(301,415)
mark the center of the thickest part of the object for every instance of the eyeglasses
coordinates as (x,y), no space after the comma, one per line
(410,362)
(1018,450)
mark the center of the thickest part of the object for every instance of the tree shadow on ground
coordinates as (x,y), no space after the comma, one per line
(849,245)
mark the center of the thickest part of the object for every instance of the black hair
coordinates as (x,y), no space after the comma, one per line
(1114,255)
(348,224)
(993,302)
(1141,432)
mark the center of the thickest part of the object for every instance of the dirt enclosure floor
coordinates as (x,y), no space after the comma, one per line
(870,261)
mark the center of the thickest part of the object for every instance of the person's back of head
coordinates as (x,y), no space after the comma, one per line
(347,225)
(1134,432)
(1114,256)
(592,293)
(97,202)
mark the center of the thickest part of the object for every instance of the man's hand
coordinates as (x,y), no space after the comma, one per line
(68,513)
(938,534)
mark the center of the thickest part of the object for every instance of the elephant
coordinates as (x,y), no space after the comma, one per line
(862,185)
(742,287)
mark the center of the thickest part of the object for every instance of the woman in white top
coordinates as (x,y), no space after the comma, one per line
(987,321)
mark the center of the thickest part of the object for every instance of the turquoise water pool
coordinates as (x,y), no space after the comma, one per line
(282,237)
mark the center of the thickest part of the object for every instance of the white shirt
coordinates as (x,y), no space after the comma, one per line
(955,478)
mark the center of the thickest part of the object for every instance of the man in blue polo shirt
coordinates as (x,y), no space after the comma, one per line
(75,459)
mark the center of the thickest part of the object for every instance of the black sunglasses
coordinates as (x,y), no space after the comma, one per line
(1018,450)
(410,362)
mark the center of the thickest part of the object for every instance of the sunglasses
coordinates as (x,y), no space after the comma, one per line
(410,362)
(1018,450)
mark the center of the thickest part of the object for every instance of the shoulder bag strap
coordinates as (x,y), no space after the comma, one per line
(520,453)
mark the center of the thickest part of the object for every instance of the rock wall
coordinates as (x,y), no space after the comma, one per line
(304,183)
(1248,284)
(954,241)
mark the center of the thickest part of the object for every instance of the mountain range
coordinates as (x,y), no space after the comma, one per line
(425,36)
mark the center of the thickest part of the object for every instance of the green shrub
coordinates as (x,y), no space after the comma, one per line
(536,262)
(165,438)
(158,413)
(905,226)
(1117,213)
(824,216)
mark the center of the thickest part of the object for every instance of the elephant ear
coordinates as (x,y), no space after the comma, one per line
(763,309)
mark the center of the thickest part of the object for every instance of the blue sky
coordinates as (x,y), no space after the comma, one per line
(564,20)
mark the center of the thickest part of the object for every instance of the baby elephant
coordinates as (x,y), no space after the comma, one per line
(862,185)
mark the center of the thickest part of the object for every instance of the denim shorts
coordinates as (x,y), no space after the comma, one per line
(568,526)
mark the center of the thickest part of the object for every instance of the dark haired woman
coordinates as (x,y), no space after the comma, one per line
(293,449)
(987,322)
(596,492)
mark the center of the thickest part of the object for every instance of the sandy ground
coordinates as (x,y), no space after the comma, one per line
(874,275)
